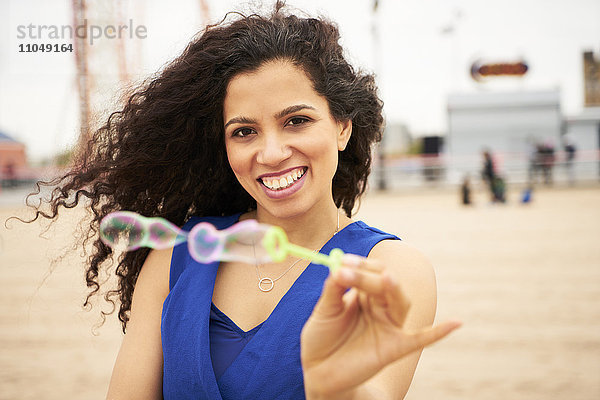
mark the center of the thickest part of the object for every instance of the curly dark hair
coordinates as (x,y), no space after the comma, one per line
(163,154)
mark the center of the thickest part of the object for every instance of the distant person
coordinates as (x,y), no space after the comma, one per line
(496,184)
(499,189)
(489,173)
(465,191)
(546,159)
(570,152)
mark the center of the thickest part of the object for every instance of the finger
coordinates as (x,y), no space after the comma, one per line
(397,303)
(365,281)
(331,302)
(379,301)
(431,335)
(362,263)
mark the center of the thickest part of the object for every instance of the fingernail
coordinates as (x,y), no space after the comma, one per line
(346,274)
(351,260)
(457,324)
(392,281)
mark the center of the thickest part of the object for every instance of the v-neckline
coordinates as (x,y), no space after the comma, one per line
(300,278)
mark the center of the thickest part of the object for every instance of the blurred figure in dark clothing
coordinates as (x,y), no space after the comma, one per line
(546,161)
(494,181)
(465,190)
(570,151)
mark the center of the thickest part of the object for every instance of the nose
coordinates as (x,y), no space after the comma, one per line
(274,150)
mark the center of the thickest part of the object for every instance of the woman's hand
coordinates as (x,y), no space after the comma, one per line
(353,334)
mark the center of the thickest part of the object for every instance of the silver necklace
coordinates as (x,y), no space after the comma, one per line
(266,284)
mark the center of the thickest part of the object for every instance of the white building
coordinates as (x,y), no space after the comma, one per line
(583,131)
(507,124)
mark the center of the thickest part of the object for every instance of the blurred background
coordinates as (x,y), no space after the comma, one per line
(490,164)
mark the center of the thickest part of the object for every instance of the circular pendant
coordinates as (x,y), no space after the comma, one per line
(266,284)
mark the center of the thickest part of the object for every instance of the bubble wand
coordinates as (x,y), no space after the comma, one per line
(246,241)
(277,245)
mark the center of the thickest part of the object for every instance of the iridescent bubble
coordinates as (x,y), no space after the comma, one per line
(128,231)
(205,243)
(240,242)
(247,241)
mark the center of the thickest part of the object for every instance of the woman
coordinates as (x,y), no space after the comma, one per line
(261,118)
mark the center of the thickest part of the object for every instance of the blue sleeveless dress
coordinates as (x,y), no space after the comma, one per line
(268,367)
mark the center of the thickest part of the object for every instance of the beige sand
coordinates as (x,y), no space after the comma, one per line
(524,279)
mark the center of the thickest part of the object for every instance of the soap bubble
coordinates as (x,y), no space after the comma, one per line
(247,241)
(129,231)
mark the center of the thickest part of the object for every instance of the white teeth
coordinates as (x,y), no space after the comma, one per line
(283,182)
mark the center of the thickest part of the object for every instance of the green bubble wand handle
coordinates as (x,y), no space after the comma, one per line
(276,243)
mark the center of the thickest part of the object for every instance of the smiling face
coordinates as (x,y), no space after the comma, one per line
(282,142)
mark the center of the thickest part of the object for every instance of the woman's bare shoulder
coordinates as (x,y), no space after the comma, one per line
(401,257)
(414,273)
(154,275)
(151,286)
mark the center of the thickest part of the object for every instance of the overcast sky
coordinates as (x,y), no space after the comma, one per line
(416,63)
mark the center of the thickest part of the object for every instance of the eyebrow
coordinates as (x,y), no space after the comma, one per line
(278,115)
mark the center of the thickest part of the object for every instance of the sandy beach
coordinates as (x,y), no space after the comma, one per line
(524,279)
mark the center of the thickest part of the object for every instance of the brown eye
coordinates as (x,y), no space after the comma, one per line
(242,132)
(295,121)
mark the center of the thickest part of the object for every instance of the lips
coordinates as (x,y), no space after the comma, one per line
(283,179)
(283,184)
